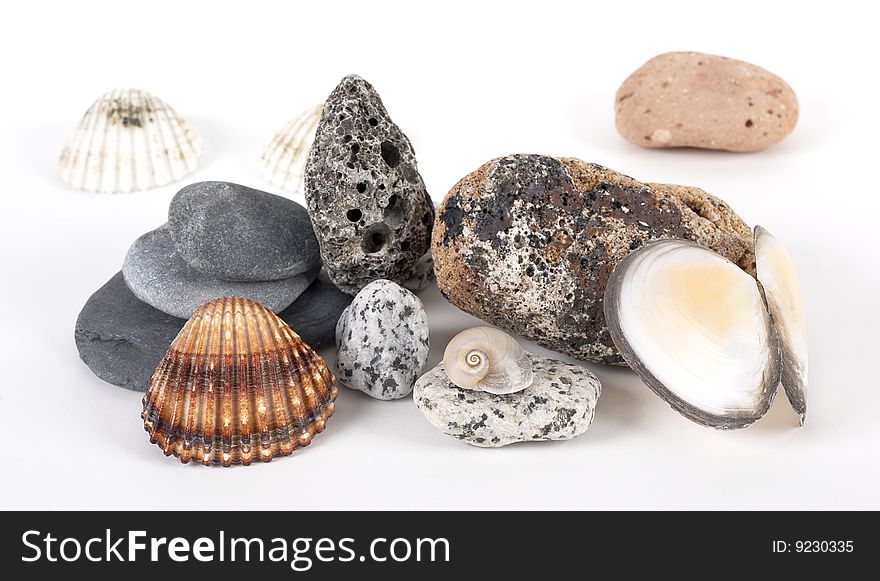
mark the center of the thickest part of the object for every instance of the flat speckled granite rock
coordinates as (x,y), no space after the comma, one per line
(693,99)
(368,203)
(382,341)
(559,405)
(527,243)
(122,339)
(233,232)
(157,275)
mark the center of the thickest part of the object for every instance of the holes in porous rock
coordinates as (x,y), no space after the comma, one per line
(404,246)
(361,187)
(426,219)
(395,210)
(749,123)
(373,121)
(355,148)
(353,215)
(390,154)
(346,139)
(375,238)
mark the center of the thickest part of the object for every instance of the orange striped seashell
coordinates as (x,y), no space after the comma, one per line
(237,385)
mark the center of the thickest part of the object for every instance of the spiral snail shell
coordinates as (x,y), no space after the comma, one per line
(486,359)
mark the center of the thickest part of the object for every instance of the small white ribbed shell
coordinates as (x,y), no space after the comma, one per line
(283,161)
(486,359)
(129,140)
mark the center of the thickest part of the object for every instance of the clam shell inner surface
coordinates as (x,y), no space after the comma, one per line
(694,325)
(781,287)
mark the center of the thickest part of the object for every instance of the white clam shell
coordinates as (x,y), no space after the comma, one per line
(129,140)
(283,161)
(696,329)
(486,359)
(776,272)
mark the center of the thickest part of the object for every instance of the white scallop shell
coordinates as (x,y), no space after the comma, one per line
(129,140)
(283,161)
(486,359)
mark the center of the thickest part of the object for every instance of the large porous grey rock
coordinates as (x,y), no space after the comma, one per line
(313,316)
(382,341)
(559,405)
(366,199)
(233,232)
(527,243)
(157,275)
(122,339)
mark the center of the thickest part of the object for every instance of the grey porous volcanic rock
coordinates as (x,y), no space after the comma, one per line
(368,203)
(157,275)
(122,339)
(315,313)
(559,405)
(233,232)
(382,341)
(527,243)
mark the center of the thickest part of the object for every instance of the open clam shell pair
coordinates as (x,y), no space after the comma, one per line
(707,337)
(237,385)
(129,140)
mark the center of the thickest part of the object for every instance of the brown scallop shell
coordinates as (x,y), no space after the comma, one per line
(237,385)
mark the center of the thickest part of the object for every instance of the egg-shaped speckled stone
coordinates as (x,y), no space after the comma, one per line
(382,341)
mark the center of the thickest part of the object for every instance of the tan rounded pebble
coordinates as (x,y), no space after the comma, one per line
(692,99)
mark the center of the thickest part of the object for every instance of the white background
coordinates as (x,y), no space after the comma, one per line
(467,82)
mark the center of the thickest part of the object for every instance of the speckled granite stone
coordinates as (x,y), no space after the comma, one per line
(382,341)
(559,405)
(368,203)
(527,243)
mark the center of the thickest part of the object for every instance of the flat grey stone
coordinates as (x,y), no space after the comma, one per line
(382,341)
(313,316)
(233,232)
(559,405)
(157,275)
(122,339)
(368,203)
